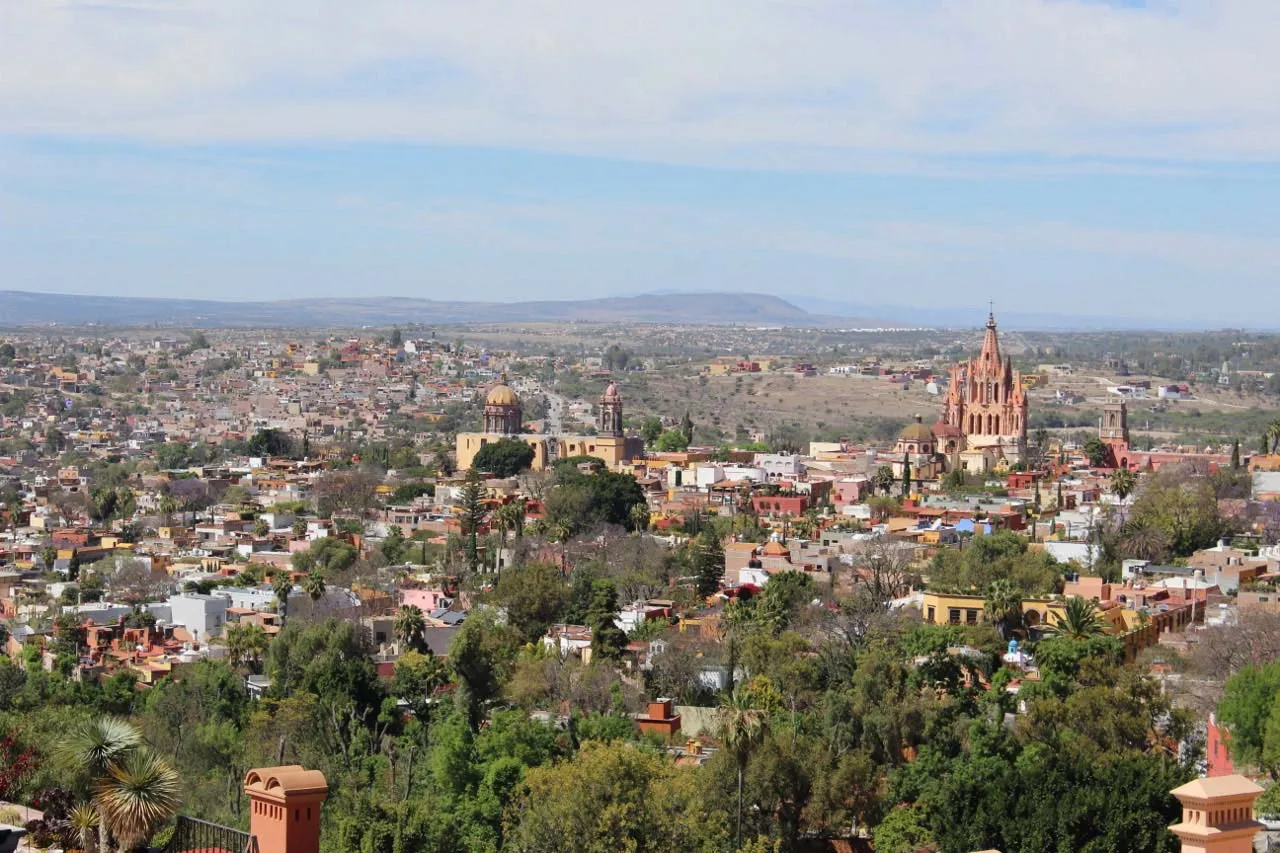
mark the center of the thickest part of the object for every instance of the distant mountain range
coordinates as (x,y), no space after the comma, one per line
(23,308)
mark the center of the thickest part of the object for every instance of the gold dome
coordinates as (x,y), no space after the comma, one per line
(502,395)
(916,431)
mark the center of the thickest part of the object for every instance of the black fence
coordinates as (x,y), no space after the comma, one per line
(191,834)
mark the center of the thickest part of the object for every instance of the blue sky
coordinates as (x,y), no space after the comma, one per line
(1054,156)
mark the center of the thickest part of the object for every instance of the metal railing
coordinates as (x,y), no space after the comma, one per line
(191,834)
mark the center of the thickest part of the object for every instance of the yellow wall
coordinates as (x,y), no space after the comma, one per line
(1047,611)
(612,449)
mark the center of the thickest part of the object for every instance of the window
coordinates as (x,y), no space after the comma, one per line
(953,615)
(932,614)
(971,617)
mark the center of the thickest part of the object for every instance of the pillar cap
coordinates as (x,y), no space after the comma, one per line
(285,781)
(1217,787)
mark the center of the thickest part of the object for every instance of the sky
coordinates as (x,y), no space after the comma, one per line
(1074,156)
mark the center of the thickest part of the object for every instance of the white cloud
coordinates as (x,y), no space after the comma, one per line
(799,84)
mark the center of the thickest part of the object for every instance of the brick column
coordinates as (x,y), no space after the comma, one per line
(284,808)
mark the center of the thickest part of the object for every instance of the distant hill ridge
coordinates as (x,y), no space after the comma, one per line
(24,308)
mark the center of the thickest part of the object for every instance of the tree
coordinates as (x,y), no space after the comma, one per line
(1248,710)
(534,597)
(651,429)
(1079,620)
(418,677)
(479,656)
(313,584)
(882,481)
(906,478)
(97,745)
(741,729)
(708,562)
(1122,483)
(1235,455)
(410,626)
(607,639)
(1142,539)
(686,427)
(472,513)
(272,442)
(1099,454)
(1182,502)
(397,338)
(246,645)
(1003,606)
(639,518)
(672,441)
(282,586)
(615,797)
(503,458)
(136,795)
(903,830)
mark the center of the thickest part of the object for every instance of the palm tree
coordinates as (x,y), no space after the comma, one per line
(282,586)
(95,745)
(1143,540)
(137,794)
(638,515)
(1122,483)
(410,625)
(742,728)
(1003,606)
(168,506)
(1080,620)
(246,644)
(313,584)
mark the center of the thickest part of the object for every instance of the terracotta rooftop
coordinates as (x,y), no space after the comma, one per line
(1217,786)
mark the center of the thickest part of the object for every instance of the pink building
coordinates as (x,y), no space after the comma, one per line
(425,600)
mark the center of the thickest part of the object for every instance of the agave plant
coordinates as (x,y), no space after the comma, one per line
(96,745)
(84,821)
(136,795)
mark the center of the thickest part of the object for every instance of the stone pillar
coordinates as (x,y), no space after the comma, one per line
(284,808)
(1217,815)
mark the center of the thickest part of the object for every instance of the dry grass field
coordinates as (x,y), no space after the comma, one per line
(819,406)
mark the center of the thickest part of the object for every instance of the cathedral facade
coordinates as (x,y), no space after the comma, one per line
(504,418)
(984,416)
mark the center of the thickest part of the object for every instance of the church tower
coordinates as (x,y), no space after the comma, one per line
(610,412)
(986,402)
(1115,423)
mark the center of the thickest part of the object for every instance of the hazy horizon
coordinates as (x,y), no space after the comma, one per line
(1057,156)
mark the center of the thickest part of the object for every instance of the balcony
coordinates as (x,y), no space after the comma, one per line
(198,836)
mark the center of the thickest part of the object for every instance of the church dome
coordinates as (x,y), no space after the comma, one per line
(611,393)
(502,395)
(916,431)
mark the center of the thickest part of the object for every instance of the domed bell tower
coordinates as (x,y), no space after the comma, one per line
(611,412)
(502,411)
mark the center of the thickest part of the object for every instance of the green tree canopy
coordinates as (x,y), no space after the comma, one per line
(505,457)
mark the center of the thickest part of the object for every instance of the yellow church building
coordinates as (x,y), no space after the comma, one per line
(504,419)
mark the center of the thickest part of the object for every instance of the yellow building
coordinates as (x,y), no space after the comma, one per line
(940,608)
(504,419)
